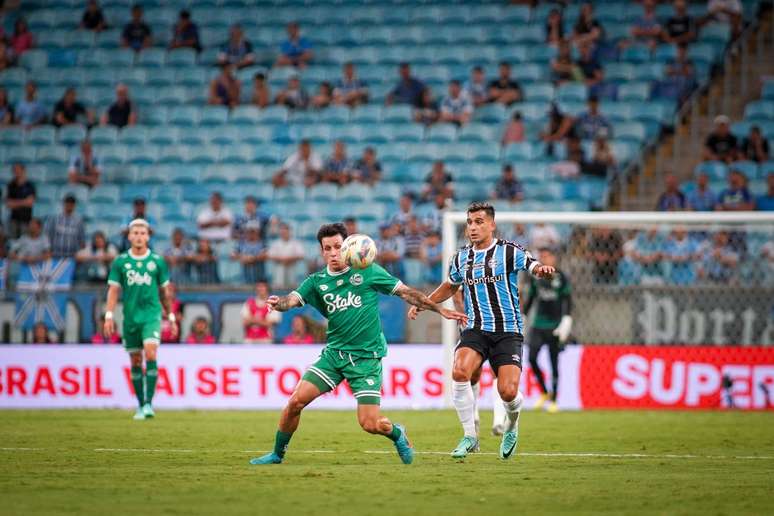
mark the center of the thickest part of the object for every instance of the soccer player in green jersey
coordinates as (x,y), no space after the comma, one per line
(143,279)
(356,344)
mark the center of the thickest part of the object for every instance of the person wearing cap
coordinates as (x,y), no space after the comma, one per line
(251,252)
(141,278)
(66,231)
(721,145)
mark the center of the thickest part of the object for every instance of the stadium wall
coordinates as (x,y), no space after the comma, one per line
(263,377)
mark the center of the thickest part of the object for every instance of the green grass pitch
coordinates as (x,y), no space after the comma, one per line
(102,462)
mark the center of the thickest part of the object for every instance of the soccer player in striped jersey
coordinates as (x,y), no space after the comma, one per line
(487,271)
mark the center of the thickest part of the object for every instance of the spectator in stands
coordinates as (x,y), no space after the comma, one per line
(392,249)
(225,88)
(737,196)
(591,123)
(33,247)
(755,147)
(476,87)
(170,331)
(681,252)
(438,182)
(504,89)
(680,28)
(725,11)
(84,166)
(99,336)
(200,332)
(574,160)
(299,332)
(563,68)
(433,219)
(456,107)
(285,253)
(66,231)
(251,214)
(765,202)
(544,236)
(138,212)
(647,253)
(178,256)
(645,29)
(251,252)
(302,168)
(721,145)
(19,201)
(426,112)
(681,73)
(237,50)
(296,50)
(324,96)
(558,127)
(587,30)
(405,210)
(6,109)
(413,237)
(40,334)
(604,251)
(137,34)
(261,94)
(702,198)
(767,265)
(555,28)
(30,111)
(258,319)
(215,220)
(368,170)
(431,255)
(69,111)
(185,33)
(350,91)
(94,260)
(22,39)
(7,57)
(351,224)
(205,263)
(602,159)
(672,199)
(718,259)
(338,167)
(408,90)
(590,70)
(93,19)
(121,113)
(519,235)
(514,131)
(294,95)
(508,188)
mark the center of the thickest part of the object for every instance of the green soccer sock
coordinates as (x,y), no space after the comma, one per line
(137,383)
(281,441)
(395,434)
(151,374)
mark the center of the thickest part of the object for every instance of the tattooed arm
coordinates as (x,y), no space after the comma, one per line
(416,298)
(284,303)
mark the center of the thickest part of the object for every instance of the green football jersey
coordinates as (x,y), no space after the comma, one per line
(553,300)
(139,279)
(350,301)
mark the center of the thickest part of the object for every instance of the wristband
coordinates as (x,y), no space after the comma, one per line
(172,317)
(108,315)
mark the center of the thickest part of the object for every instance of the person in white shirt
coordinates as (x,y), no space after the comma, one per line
(215,221)
(456,107)
(544,236)
(725,11)
(284,254)
(303,167)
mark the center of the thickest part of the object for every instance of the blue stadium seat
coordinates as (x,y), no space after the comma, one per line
(759,110)
(572,92)
(539,92)
(518,151)
(292,194)
(153,175)
(490,113)
(377,133)
(478,132)
(714,169)
(442,133)
(240,153)
(387,192)
(354,192)
(181,57)
(322,193)
(636,91)
(636,54)
(133,135)
(72,134)
(151,57)
(54,154)
(224,135)
(184,116)
(142,154)
(41,135)
(411,132)
(214,115)
(630,131)
(347,133)
(370,114)
(192,135)
(748,168)
(334,115)
(396,113)
(273,115)
(201,154)
(11,135)
(245,115)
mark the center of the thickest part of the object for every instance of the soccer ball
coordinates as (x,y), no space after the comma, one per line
(358,251)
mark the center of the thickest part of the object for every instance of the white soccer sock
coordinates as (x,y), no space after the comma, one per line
(513,408)
(462,397)
(476,394)
(499,416)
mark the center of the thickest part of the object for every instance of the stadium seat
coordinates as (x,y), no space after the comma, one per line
(322,193)
(181,57)
(354,192)
(214,115)
(71,134)
(54,154)
(239,153)
(442,133)
(186,116)
(396,114)
(105,193)
(41,135)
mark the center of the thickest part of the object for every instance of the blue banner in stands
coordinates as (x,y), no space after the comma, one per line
(41,293)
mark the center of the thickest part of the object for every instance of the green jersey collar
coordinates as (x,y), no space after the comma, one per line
(339,273)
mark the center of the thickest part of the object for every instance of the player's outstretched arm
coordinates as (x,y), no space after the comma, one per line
(414,297)
(283,303)
(444,291)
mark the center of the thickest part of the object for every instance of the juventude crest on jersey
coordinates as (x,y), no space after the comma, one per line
(356,279)
(151,266)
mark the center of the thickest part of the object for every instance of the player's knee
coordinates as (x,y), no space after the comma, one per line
(508,392)
(136,359)
(459,374)
(296,405)
(370,425)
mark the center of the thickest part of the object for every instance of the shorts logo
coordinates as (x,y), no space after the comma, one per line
(339,282)
(323,287)
(369,381)
(151,266)
(356,279)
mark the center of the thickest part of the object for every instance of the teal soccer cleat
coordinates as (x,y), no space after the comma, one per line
(139,415)
(509,442)
(269,458)
(467,445)
(148,411)
(404,447)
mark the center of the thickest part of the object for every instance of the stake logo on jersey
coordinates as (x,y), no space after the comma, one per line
(490,284)
(335,302)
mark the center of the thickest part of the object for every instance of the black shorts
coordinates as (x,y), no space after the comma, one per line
(500,348)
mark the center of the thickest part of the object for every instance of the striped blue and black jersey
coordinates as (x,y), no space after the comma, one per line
(489,278)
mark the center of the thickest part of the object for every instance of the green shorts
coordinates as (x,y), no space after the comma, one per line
(364,375)
(136,335)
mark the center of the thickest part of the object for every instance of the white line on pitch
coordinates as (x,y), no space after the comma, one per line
(599,455)
(142,450)
(294,451)
(22,449)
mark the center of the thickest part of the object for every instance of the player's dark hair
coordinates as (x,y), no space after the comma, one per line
(482,206)
(329,230)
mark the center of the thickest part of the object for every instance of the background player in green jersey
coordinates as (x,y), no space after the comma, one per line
(142,278)
(551,325)
(356,344)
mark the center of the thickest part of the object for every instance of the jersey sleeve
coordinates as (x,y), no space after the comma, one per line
(114,276)
(305,291)
(523,260)
(382,281)
(163,271)
(455,274)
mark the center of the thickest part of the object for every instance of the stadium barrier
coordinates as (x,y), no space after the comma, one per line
(263,377)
